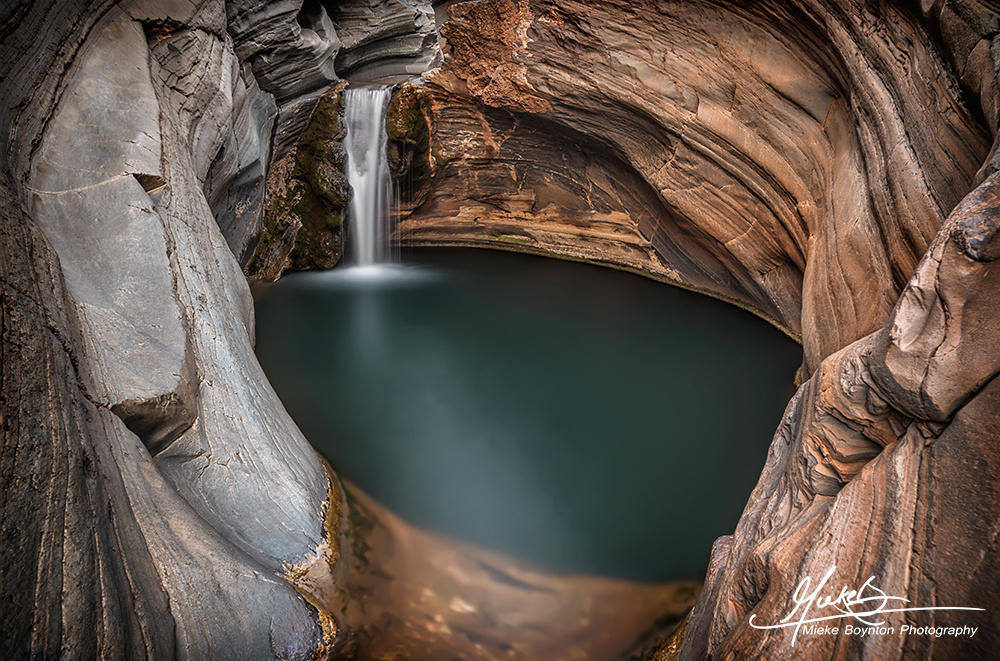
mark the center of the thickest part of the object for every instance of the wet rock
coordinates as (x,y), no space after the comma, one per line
(409,141)
(308,195)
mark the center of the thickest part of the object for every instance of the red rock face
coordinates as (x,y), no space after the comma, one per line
(796,159)
(825,163)
(807,160)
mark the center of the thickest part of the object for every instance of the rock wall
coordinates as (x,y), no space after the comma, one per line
(825,164)
(171,488)
(791,157)
(830,166)
(306,200)
(156,493)
(386,39)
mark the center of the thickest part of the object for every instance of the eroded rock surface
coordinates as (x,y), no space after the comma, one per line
(195,489)
(779,155)
(878,470)
(386,39)
(826,164)
(800,159)
(307,198)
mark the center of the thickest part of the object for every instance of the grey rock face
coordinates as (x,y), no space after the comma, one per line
(103,558)
(117,271)
(386,39)
(71,528)
(202,491)
(291,49)
(157,495)
(104,150)
(274,516)
(235,182)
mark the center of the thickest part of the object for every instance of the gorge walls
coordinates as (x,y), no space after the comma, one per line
(831,166)
(792,157)
(156,493)
(808,161)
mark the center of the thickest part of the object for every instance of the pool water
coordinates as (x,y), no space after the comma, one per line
(584,419)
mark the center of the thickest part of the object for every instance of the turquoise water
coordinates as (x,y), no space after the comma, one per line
(581,418)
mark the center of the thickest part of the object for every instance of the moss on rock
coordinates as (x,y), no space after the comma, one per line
(407,127)
(307,193)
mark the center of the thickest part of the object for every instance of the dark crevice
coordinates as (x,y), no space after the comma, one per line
(150,183)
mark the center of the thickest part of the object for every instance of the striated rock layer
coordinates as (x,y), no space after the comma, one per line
(158,501)
(827,165)
(796,158)
(824,163)
(170,488)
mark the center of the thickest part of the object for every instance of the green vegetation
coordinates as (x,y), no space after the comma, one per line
(302,224)
(442,160)
(409,140)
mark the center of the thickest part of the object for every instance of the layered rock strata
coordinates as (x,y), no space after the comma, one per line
(386,39)
(884,466)
(795,158)
(808,161)
(172,489)
(825,164)
(158,501)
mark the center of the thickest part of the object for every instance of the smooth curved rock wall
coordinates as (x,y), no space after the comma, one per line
(788,156)
(159,502)
(809,161)
(386,39)
(172,491)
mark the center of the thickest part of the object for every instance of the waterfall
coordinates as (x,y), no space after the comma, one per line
(368,173)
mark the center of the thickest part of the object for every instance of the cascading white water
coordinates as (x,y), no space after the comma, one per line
(368,173)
